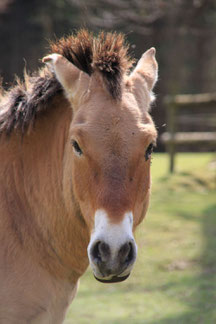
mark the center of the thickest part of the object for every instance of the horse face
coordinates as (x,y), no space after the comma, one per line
(111,147)
(110,150)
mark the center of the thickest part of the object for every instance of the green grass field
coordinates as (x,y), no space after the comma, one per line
(174,280)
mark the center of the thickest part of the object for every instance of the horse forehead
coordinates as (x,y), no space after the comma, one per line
(104,108)
(110,121)
(114,119)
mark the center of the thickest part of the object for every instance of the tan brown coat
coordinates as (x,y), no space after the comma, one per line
(75,143)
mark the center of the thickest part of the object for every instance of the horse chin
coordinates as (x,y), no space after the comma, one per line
(114,279)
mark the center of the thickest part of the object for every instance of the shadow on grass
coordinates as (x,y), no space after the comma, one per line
(202,301)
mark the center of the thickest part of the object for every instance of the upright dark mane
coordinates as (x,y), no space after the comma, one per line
(106,53)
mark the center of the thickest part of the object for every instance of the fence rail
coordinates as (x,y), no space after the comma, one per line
(176,108)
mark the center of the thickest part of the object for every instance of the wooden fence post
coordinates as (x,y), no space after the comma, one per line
(171,129)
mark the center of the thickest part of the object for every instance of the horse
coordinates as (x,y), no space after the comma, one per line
(76,139)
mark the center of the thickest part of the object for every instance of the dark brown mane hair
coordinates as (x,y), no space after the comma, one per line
(106,53)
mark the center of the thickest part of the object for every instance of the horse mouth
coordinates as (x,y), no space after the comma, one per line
(114,279)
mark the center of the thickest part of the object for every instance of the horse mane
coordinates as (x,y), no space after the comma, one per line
(107,54)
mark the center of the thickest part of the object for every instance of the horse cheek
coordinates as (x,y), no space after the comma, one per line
(80,182)
(142,195)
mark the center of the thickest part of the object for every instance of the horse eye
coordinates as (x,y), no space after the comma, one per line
(76,147)
(149,152)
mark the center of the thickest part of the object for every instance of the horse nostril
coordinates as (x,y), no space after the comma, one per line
(95,251)
(126,253)
(100,252)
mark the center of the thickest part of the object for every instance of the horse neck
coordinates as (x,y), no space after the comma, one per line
(35,207)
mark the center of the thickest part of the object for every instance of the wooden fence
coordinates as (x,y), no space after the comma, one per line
(191,120)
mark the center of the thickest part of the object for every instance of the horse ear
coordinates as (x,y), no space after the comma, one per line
(66,72)
(147,67)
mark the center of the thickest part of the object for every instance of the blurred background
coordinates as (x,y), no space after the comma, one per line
(174,281)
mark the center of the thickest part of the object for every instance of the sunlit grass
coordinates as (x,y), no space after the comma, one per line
(174,280)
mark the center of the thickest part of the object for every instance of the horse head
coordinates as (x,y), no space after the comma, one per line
(109,150)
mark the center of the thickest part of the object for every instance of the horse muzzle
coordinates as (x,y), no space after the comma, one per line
(112,265)
(112,250)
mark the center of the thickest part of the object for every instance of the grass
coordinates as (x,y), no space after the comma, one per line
(174,280)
